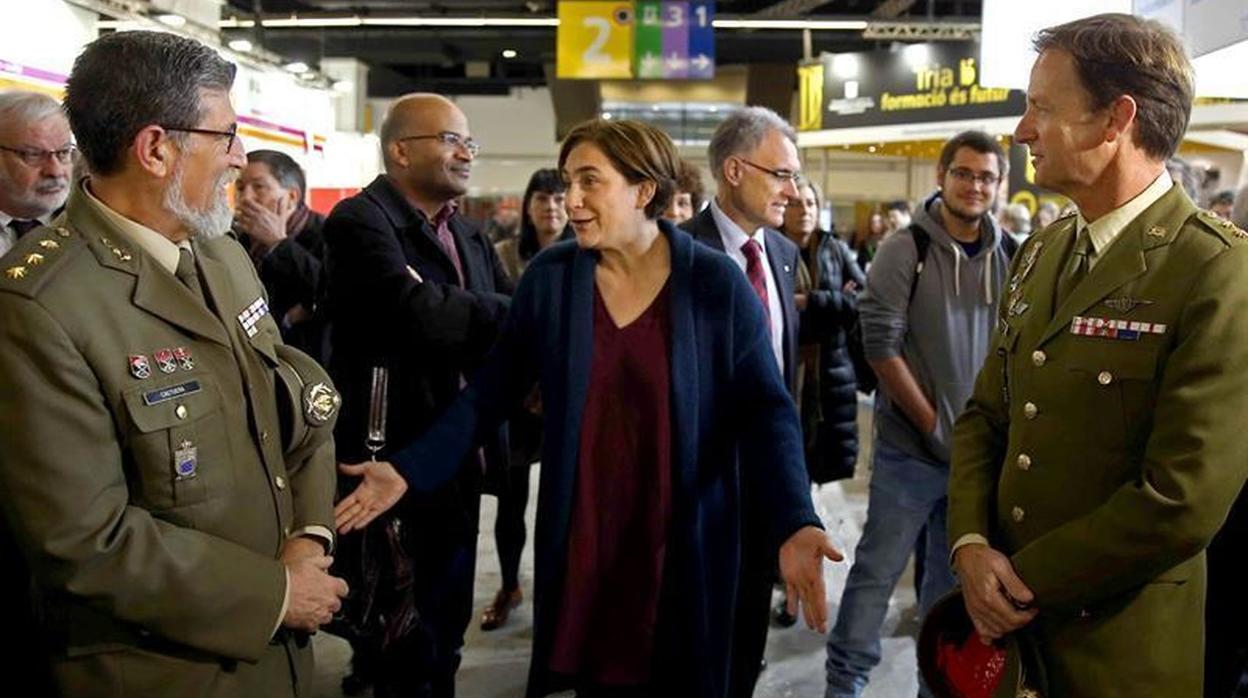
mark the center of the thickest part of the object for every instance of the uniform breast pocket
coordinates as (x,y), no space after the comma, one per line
(1118,383)
(178,442)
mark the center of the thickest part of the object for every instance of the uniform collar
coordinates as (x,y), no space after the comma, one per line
(1104,230)
(161,248)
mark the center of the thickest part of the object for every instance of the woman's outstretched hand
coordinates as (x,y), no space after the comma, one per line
(381,488)
(801,567)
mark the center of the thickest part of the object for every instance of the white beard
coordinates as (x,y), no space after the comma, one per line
(205,225)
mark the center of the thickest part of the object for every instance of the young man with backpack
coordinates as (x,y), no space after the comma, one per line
(926,318)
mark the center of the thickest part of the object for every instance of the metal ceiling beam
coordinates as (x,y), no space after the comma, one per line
(922,31)
(891,9)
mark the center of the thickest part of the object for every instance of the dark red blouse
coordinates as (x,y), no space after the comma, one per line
(622,504)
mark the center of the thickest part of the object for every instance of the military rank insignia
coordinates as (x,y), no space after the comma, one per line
(139,367)
(1113,329)
(185,461)
(165,361)
(183,355)
(320,402)
(249,317)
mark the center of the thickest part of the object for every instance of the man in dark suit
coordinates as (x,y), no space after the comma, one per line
(284,239)
(753,156)
(416,289)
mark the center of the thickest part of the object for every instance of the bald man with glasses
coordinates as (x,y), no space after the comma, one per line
(416,289)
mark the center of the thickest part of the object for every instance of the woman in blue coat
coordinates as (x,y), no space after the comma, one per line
(664,412)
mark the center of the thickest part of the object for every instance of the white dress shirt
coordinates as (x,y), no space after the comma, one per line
(734,238)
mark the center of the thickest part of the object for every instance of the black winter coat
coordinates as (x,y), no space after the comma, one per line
(830,311)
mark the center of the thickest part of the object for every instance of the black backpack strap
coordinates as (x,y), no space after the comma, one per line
(1009,244)
(922,241)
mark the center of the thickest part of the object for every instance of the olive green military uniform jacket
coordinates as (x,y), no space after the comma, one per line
(152,499)
(1105,443)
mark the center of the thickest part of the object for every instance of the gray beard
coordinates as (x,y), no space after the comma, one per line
(205,225)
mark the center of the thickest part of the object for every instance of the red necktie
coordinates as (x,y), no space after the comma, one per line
(754,272)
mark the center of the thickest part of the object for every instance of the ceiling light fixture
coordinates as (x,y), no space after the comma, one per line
(171,20)
(296,67)
(509,53)
(241,45)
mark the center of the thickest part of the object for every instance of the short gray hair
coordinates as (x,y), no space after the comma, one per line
(126,81)
(1019,217)
(741,132)
(21,107)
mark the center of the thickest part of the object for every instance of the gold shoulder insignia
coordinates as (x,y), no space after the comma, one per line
(34,256)
(1223,227)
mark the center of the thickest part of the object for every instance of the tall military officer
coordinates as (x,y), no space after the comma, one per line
(1104,444)
(165,461)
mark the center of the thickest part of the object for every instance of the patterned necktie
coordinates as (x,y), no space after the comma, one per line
(443,228)
(23,227)
(188,276)
(754,272)
(1076,267)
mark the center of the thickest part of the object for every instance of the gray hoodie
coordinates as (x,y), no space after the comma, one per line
(943,333)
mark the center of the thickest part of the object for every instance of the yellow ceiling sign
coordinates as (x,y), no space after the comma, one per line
(595,40)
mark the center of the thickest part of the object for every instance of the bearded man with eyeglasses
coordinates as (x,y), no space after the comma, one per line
(927,314)
(416,288)
(36,157)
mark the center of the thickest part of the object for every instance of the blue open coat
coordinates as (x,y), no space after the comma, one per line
(735,433)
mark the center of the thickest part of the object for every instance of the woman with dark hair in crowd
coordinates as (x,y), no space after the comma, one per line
(867,239)
(689,196)
(665,416)
(543,222)
(829,307)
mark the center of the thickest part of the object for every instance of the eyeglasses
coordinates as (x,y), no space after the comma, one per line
(36,157)
(449,138)
(966,176)
(782,175)
(231,135)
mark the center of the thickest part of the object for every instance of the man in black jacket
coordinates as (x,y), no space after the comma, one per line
(284,239)
(416,289)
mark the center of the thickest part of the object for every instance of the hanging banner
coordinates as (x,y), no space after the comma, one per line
(643,39)
(922,83)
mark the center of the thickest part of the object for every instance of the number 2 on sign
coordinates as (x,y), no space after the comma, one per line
(594,53)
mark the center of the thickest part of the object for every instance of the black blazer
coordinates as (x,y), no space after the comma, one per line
(783,257)
(428,333)
(292,275)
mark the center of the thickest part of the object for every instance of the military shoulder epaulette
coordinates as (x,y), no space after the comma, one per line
(32,260)
(1225,229)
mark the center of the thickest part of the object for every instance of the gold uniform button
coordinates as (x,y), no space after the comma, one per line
(1030,410)
(1017,513)
(1024,463)
(1038,357)
(1104,378)
(264,437)
(181,412)
(280,482)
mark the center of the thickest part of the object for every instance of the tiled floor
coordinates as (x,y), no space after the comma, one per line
(496,663)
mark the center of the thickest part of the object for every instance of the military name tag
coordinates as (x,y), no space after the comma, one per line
(185,461)
(249,317)
(155,397)
(1113,329)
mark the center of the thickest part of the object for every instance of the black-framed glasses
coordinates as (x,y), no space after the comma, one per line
(782,175)
(231,135)
(36,156)
(968,176)
(449,138)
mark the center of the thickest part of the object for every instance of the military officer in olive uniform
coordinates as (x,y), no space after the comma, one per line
(1104,445)
(165,461)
